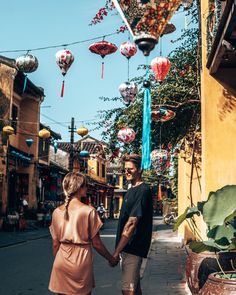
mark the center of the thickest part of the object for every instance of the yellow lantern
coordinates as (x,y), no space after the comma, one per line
(44,133)
(8,130)
(82,131)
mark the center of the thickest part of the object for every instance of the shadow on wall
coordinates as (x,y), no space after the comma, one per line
(228,105)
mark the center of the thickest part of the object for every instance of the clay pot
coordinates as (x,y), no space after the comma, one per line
(216,285)
(200,265)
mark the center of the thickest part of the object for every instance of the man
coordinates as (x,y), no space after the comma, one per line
(134,230)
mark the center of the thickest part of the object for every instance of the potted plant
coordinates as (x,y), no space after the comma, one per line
(217,253)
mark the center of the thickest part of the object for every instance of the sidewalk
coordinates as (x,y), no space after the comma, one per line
(12,238)
(165,268)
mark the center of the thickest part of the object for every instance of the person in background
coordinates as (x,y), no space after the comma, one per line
(74,230)
(134,230)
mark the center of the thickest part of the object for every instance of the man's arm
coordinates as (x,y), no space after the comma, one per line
(127,233)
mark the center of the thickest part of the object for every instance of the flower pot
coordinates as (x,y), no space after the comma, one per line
(216,285)
(200,265)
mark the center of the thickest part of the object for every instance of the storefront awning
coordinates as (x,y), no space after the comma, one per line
(18,154)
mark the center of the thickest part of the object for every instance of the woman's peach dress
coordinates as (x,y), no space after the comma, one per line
(72,271)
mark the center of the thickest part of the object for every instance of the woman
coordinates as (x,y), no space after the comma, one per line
(75,227)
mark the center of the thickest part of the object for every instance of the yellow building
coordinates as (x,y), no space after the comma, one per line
(218,107)
(115,176)
(94,165)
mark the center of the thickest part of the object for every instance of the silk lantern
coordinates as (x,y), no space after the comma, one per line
(82,131)
(64,59)
(128,91)
(126,135)
(8,130)
(160,66)
(162,115)
(146,19)
(29,142)
(103,48)
(159,159)
(26,63)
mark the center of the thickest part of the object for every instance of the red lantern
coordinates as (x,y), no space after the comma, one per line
(162,115)
(128,49)
(160,66)
(103,48)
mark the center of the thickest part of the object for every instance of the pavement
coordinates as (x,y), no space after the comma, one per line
(163,272)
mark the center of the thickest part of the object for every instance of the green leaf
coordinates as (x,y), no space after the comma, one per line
(219,206)
(188,213)
(230,217)
(222,231)
(211,246)
(232,246)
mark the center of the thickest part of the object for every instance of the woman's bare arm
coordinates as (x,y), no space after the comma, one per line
(55,247)
(102,250)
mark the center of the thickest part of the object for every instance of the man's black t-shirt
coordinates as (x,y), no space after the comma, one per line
(137,203)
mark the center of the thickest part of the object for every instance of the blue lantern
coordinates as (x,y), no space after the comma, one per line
(29,142)
(55,145)
(84,154)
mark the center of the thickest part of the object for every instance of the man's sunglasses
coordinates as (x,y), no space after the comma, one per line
(128,170)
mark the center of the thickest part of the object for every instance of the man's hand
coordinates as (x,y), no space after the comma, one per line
(114,260)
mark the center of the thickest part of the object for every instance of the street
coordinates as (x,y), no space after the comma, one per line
(25,268)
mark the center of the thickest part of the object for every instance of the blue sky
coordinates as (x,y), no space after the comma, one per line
(30,24)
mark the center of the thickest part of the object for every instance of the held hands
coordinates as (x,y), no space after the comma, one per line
(114,260)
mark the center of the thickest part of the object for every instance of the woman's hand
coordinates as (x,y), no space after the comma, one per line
(114,260)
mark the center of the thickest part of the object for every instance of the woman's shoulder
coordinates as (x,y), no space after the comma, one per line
(59,209)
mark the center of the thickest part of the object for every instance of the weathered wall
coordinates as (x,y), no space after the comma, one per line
(6,92)
(218,125)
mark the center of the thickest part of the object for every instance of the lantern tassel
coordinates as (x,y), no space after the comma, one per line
(146,159)
(25,83)
(102,74)
(62,88)
(159,194)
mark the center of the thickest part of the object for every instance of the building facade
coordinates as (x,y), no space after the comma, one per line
(20,109)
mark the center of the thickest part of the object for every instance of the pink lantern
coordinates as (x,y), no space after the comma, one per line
(128,49)
(160,66)
(64,59)
(126,135)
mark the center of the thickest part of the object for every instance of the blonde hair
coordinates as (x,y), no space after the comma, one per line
(71,184)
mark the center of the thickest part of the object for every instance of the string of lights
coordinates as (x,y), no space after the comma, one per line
(61,45)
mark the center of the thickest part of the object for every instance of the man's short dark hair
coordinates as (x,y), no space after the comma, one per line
(134,158)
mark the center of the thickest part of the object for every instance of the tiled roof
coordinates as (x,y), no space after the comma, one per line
(117,170)
(87,143)
(87,146)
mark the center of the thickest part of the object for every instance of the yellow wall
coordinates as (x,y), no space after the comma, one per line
(218,122)
(218,126)
(92,169)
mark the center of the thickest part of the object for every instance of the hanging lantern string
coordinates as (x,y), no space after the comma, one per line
(61,45)
(147,69)
(161,46)
(160,135)
(128,69)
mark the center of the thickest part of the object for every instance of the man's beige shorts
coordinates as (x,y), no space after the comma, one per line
(130,265)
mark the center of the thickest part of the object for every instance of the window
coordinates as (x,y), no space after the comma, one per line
(14,117)
(98,168)
(103,170)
